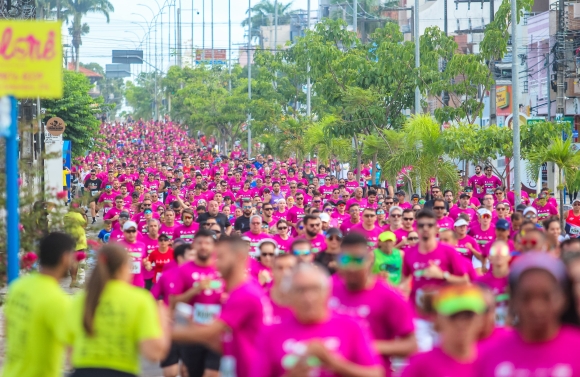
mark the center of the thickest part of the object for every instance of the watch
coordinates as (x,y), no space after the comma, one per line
(446,275)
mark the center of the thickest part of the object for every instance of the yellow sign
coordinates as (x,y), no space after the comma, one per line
(502,99)
(30,59)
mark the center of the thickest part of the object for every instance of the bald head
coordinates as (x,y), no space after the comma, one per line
(213,208)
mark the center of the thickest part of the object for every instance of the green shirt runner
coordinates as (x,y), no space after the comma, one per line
(389,263)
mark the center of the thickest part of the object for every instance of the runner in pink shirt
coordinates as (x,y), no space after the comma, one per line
(368,228)
(402,234)
(467,246)
(138,252)
(255,235)
(243,315)
(314,341)
(187,230)
(354,220)
(460,310)
(463,207)
(283,238)
(313,228)
(282,267)
(541,344)
(483,232)
(497,280)
(357,199)
(380,309)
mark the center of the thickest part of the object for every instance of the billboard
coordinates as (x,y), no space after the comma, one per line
(128,56)
(204,56)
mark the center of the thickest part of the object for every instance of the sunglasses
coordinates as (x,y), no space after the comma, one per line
(389,203)
(380,212)
(413,238)
(370,215)
(283,228)
(267,254)
(187,218)
(438,208)
(247,207)
(425,225)
(408,218)
(298,252)
(334,238)
(395,215)
(344,260)
(268,209)
(501,209)
(486,216)
(531,243)
(130,231)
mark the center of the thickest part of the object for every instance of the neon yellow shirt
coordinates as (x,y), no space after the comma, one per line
(75,224)
(125,316)
(36,309)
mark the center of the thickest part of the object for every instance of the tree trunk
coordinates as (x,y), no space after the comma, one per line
(561,189)
(374,169)
(77,61)
(358,158)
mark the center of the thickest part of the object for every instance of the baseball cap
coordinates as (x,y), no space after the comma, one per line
(530,209)
(537,260)
(129,224)
(464,196)
(340,202)
(324,217)
(460,222)
(502,224)
(415,196)
(387,236)
(124,214)
(400,192)
(483,211)
(163,236)
(148,211)
(455,299)
(542,195)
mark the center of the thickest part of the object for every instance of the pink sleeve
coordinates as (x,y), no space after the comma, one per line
(404,318)
(263,363)
(235,311)
(364,354)
(156,289)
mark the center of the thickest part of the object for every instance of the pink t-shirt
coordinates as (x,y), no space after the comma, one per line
(511,356)
(186,233)
(246,311)
(455,211)
(362,202)
(483,237)
(372,236)
(499,287)
(414,262)
(445,223)
(380,309)
(150,244)
(168,284)
(545,211)
(137,251)
(318,244)
(207,304)
(347,226)
(400,233)
(254,241)
(462,248)
(287,341)
(283,245)
(437,363)
(168,230)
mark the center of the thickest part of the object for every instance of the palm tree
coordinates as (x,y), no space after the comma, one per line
(319,140)
(263,15)
(421,146)
(560,153)
(75,10)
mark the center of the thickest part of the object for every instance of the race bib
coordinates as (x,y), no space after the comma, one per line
(228,366)
(136,267)
(574,231)
(94,192)
(106,209)
(205,313)
(501,313)
(489,190)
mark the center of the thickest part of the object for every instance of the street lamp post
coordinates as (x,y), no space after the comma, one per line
(249,75)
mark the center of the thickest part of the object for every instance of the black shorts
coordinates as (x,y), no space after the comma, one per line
(198,358)
(173,356)
(99,372)
(148,284)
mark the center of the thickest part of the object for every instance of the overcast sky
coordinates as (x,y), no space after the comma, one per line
(127,28)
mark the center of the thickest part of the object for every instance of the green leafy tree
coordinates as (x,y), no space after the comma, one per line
(423,148)
(560,153)
(74,11)
(141,94)
(112,89)
(78,110)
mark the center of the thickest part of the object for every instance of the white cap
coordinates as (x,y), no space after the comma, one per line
(530,209)
(129,224)
(324,217)
(246,238)
(460,222)
(483,211)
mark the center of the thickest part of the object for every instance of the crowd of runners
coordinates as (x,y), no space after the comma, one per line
(217,264)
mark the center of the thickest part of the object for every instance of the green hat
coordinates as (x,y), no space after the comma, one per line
(387,236)
(454,299)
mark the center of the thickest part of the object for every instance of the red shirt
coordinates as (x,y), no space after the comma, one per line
(159,260)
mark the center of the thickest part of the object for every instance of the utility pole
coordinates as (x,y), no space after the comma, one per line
(212,52)
(355,16)
(445,26)
(179,46)
(249,75)
(516,104)
(275,26)
(203,31)
(230,45)
(192,44)
(561,58)
(549,89)
(308,92)
(492,91)
(417,57)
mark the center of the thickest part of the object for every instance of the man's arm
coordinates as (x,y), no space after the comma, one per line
(402,347)
(207,334)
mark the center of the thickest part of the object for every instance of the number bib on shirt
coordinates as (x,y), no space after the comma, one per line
(228,366)
(205,313)
(136,267)
(106,209)
(94,192)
